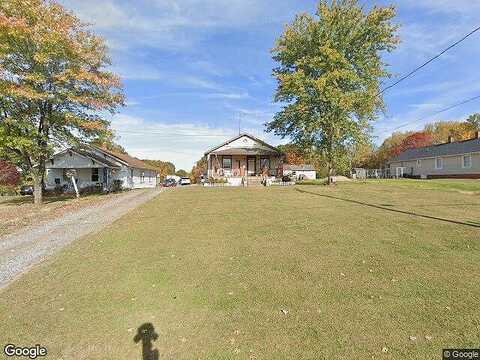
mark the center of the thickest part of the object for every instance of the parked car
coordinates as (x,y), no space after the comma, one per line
(185,181)
(26,190)
(169,183)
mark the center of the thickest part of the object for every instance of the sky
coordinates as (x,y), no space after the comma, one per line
(196,71)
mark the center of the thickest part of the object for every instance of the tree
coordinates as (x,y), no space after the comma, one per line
(412,141)
(164,167)
(9,174)
(181,173)
(294,154)
(108,142)
(474,121)
(199,169)
(54,88)
(329,75)
(441,130)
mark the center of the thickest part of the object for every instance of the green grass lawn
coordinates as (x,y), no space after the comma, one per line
(437,184)
(357,268)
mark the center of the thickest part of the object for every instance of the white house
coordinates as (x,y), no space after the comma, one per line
(300,172)
(98,167)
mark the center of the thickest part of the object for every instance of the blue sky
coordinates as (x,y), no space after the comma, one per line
(193,68)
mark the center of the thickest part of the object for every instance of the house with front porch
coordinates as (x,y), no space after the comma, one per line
(92,166)
(244,158)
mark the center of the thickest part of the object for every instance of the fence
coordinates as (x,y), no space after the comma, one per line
(397,173)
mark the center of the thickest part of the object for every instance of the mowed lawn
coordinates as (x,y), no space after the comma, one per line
(306,272)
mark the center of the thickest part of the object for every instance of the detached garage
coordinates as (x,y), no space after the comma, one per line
(300,172)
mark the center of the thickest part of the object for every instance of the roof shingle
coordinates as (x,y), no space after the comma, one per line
(454,148)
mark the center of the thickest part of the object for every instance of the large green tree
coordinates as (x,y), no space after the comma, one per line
(54,86)
(329,76)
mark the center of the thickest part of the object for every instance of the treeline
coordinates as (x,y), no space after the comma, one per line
(366,155)
(433,133)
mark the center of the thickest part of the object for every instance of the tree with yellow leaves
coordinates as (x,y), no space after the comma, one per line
(54,86)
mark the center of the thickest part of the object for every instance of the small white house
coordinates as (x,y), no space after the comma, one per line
(300,172)
(98,167)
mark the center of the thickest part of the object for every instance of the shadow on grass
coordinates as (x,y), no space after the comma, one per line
(468,223)
(146,334)
(47,199)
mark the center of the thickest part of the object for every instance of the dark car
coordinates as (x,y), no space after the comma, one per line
(169,183)
(26,190)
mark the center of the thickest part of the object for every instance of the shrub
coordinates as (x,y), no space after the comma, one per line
(213,180)
(117,185)
(6,190)
(8,174)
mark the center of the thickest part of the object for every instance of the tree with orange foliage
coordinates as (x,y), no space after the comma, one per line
(294,155)
(54,87)
(413,141)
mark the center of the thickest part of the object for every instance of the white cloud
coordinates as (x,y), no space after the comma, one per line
(228,95)
(181,143)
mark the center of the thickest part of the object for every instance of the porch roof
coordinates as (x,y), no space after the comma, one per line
(245,151)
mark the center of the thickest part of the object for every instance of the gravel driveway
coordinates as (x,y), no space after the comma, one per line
(23,249)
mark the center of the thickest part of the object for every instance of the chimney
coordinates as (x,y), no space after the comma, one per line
(450,139)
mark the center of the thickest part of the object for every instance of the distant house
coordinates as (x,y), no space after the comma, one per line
(459,159)
(301,172)
(244,156)
(93,166)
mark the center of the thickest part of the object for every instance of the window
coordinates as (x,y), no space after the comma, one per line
(142,177)
(52,162)
(265,163)
(227,162)
(57,181)
(419,163)
(95,174)
(438,163)
(467,161)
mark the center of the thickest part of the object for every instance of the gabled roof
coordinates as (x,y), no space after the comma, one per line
(98,159)
(453,148)
(90,155)
(240,136)
(303,167)
(127,159)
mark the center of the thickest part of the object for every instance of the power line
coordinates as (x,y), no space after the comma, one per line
(429,61)
(167,134)
(437,112)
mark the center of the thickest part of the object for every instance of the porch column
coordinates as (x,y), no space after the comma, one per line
(209,166)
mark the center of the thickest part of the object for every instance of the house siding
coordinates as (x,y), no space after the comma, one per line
(83,166)
(452,166)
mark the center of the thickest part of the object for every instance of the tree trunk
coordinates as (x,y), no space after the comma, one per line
(38,176)
(37,190)
(330,175)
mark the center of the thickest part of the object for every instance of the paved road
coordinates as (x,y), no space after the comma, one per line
(23,249)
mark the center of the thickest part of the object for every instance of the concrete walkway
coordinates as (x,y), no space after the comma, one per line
(23,249)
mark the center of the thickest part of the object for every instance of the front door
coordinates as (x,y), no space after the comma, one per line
(251,166)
